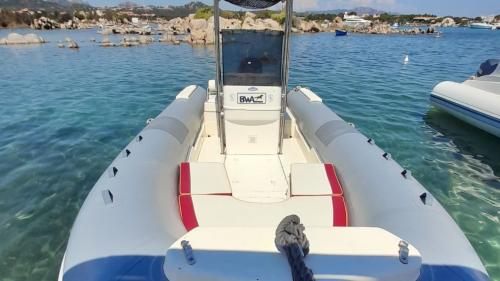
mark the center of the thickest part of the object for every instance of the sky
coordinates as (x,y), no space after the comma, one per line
(470,8)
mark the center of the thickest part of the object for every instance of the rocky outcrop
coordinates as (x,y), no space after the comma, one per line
(71,43)
(107,43)
(14,39)
(308,26)
(448,22)
(44,23)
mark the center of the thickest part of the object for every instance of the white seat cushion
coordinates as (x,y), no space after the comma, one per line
(203,179)
(314,180)
(228,211)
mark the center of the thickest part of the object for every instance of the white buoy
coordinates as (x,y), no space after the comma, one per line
(407,59)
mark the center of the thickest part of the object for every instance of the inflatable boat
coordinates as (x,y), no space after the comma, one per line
(475,101)
(248,181)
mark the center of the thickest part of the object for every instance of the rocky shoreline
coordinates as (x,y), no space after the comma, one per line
(197,31)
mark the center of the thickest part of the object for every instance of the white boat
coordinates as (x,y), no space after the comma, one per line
(355,21)
(395,25)
(249,181)
(481,25)
(475,101)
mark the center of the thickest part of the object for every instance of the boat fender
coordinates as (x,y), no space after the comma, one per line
(292,241)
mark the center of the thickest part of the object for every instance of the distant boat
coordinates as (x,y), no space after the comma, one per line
(395,25)
(353,20)
(339,32)
(438,35)
(406,60)
(481,25)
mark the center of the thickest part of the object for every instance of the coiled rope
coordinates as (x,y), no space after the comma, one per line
(292,241)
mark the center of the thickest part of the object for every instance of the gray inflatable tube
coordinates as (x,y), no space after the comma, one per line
(114,236)
(378,195)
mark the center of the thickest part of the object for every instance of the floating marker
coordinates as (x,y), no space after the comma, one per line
(407,59)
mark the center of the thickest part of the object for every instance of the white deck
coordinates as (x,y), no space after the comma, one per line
(256,178)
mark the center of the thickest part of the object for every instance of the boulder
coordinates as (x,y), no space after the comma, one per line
(71,43)
(248,23)
(145,40)
(448,22)
(107,43)
(228,23)
(309,26)
(167,38)
(271,24)
(197,37)
(250,15)
(198,24)
(14,38)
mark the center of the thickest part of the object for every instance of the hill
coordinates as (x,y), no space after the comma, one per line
(49,5)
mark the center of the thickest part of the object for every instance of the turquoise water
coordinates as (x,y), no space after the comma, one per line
(66,114)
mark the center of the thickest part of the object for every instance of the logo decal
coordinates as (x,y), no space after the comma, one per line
(253,98)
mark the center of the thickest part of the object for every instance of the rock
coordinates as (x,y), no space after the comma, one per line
(107,43)
(106,31)
(198,37)
(14,38)
(145,40)
(227,23)
(248,23)
(271,24)
(309,26)
(250,15)
(447,22)
(44,23)
(167,38)
(338,20)
(71,43)
(198,24)
(130,42)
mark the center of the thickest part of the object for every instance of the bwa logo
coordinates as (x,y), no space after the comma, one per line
(252,98)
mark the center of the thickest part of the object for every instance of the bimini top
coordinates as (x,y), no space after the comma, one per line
(254,4)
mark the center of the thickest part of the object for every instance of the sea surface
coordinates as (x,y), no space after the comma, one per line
(65,114)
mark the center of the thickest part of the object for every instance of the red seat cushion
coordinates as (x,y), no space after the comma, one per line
(340,215)
(184,179)
(334,180)
(186,209)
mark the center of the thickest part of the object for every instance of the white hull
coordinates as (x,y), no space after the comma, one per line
(474,102)
(481,26)
(248,182)
(131,217)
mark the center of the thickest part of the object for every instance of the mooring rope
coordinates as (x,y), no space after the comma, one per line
(292,241)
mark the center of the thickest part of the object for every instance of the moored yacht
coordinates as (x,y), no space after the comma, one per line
(250,180)
(355,21)
(481,25)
